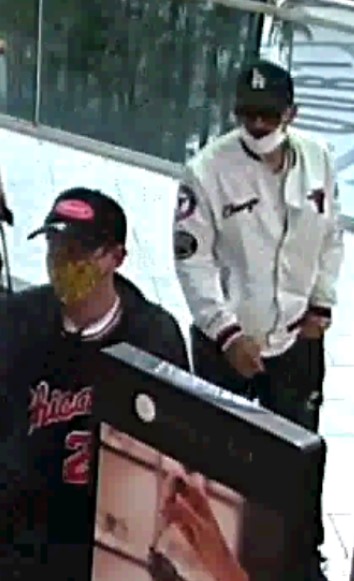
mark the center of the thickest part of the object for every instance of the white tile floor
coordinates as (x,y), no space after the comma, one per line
(37,171)
(338,427)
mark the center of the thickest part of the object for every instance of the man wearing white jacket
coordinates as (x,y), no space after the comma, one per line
(258,249)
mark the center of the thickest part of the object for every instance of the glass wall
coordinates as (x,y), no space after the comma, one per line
(323,70)
(18,57)
(150,76)
(156,77)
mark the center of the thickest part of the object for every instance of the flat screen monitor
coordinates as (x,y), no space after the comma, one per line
(174,453)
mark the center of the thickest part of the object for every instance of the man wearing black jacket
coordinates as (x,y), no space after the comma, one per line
(51,337)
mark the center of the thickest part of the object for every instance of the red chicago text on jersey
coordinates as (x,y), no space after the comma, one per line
(52,407)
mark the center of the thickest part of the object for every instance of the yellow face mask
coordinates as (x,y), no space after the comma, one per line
(73,281)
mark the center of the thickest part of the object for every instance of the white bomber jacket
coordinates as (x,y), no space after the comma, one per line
(255,251)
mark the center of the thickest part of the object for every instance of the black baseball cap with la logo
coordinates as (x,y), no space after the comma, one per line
(88,216)
(265,86)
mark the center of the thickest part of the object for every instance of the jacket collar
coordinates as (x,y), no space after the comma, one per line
(295,177)
(249,152)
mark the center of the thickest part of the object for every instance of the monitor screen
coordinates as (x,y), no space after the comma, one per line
(191,481)
(134,537)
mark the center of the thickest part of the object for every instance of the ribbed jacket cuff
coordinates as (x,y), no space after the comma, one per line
(325,312)
(227,336)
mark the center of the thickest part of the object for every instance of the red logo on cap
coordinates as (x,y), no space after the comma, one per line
(77,209)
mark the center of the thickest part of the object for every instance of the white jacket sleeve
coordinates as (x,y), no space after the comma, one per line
(196,266)
(324,294)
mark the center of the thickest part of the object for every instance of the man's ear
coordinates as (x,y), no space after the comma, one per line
(119,254)
(290,114)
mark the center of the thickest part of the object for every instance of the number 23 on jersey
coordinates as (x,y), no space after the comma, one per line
(76,465)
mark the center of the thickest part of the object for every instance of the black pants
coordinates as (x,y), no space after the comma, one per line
(292,387)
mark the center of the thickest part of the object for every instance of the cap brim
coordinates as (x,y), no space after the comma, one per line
(78,231)
(58,227)
(36,233)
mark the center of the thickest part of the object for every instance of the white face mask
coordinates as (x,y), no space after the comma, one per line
(266,144)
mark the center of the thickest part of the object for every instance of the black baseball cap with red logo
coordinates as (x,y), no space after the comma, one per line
(86,215)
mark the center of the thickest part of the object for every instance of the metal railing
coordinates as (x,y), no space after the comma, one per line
(296,13)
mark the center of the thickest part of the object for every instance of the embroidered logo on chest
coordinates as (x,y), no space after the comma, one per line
(231,209)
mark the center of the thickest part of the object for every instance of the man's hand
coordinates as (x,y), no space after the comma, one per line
(244,355)
(314,326)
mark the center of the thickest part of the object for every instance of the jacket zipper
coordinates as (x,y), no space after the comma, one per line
(276,277)
(277,256)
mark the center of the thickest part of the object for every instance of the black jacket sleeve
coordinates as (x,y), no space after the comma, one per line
(155,331)
(168,342)
(13,421)
(22,325)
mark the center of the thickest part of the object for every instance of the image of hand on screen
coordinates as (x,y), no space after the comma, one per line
(187,506)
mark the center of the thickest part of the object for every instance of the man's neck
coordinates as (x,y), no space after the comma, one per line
(92,310)
(276,160)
